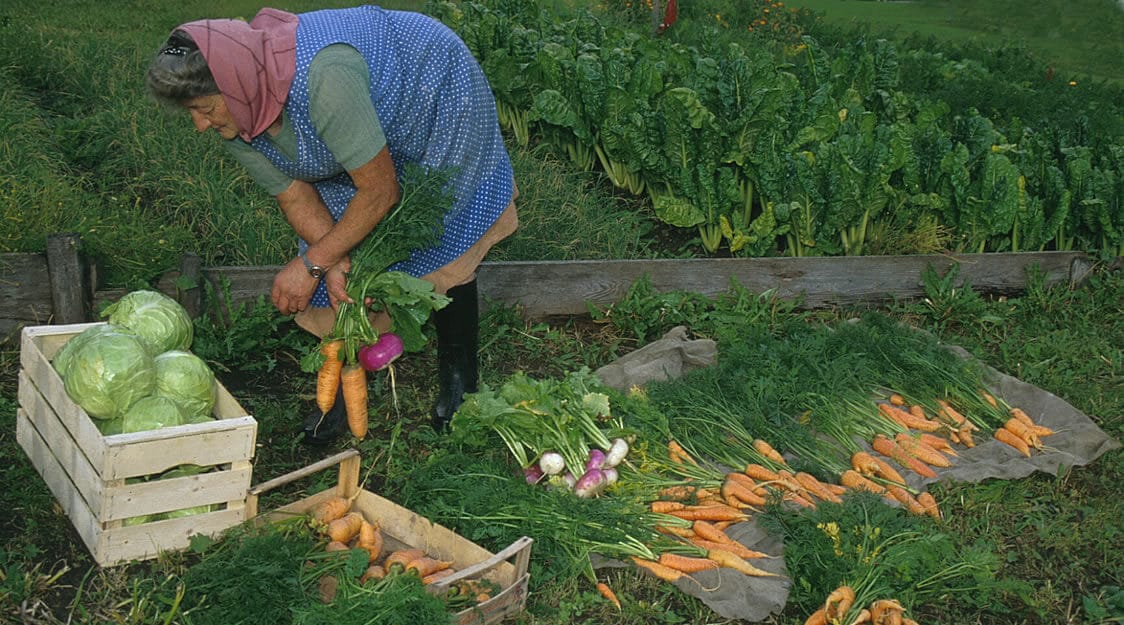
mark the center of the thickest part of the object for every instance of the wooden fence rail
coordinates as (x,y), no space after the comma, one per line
(61,286)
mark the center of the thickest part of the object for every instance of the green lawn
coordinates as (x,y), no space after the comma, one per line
(1076,37)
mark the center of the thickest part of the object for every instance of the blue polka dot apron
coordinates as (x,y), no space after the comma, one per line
(435,107)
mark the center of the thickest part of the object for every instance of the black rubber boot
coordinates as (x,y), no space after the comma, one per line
(323,428)
(458,327)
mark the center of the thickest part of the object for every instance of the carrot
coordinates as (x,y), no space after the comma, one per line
(1024,432)
(881,468)
(864,617)
(661,571)
(1004,435)
(816,487)
(908,420)
(740,492)
(886,612)
(672,530)
(666,507)
(938,443)
(717,512)
(903,497)
(1021,415)
(914,447)
(799,500)
(329,510)
(748,482)
(856,481)
(426,565)
(706,531)
(767,450)
(894,451)
(730,560)
(896,400)
(759,472)
(678,454)
(345,528)
(929,504)
(608,594)
(838,602)
(989,398)
(336,545)
(953,415)
(438,575)
(736,548)
(686,564)
(819,617)
(373,571)
(965,434)
(398,560)
(353,381)
(370,538)
(1040,430)
(678,493)
(328,378)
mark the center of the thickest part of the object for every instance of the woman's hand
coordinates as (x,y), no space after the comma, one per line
(292,288)
(335,280)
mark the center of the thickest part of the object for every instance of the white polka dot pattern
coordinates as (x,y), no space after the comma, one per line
(435,106)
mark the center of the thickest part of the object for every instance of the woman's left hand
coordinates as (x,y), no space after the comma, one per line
(335,280)
(292,288)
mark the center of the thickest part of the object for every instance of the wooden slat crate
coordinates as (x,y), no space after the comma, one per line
(402,529)
(91,475)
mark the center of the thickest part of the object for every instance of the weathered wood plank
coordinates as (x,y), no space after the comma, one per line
(25,290)
(563,288)
(69,278)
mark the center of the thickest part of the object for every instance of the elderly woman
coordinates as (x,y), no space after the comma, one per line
(325,109)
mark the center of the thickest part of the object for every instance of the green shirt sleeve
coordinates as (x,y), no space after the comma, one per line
(342,113)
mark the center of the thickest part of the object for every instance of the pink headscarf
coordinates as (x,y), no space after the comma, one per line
(253,64)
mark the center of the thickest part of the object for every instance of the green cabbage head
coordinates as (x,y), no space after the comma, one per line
(151,413)
(185,378)
(108,373)
(160,321)
(66,354)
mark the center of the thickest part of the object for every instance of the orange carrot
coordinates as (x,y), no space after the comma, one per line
(678,493)
(896,400)
(730,560)
(838,602)
(328,378)
(665,573)
(816,487)
(336,545)
(892,450)
(707,531)
(739,491)
(715,512)
(1004,435)
(953,415)
(686,564)
(819,617)
(426,565)
(345,528)
(353,380)
(1022,416)
(1023,431)
(397,560)
(330,509)
(759,472)
(799,500)
(914,447)
(864,617)
(903,497)
(373,571)
(678,454)
(438,575)
(908,420)
(929,504)
(370,538)
(881,468)
(938,443)
(608,594)
(989,398)
(886,611)
(965,434)
(665,507)
(736,548)
(748,482)
(856,481)
(767,450)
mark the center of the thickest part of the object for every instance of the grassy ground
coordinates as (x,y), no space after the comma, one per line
(1078,38)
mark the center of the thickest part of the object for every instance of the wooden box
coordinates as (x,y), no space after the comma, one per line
(402,528)
(94,477)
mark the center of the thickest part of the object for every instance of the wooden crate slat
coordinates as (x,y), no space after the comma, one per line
(144,453)
(57,481)
(152,497)
(65,450)
(140,542)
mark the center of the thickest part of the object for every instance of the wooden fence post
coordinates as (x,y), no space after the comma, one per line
(189,287)
(71,295)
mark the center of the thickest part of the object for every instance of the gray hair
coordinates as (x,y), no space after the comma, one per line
(179,72)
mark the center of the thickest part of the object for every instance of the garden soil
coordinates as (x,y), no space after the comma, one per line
(1077,442)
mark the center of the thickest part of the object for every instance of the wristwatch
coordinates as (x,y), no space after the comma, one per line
(316,271)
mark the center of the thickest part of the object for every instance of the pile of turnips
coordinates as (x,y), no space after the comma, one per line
(561,432)
(598,473)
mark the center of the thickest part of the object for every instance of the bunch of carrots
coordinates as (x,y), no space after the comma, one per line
(346,530)
(839,609)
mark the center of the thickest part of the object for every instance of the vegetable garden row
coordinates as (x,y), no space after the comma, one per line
(770,146)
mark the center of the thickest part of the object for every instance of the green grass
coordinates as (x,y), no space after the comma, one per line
(1078,38)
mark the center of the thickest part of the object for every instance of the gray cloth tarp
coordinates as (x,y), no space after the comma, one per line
(1077,442)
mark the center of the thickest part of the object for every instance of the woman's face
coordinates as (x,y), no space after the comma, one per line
(210,111)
